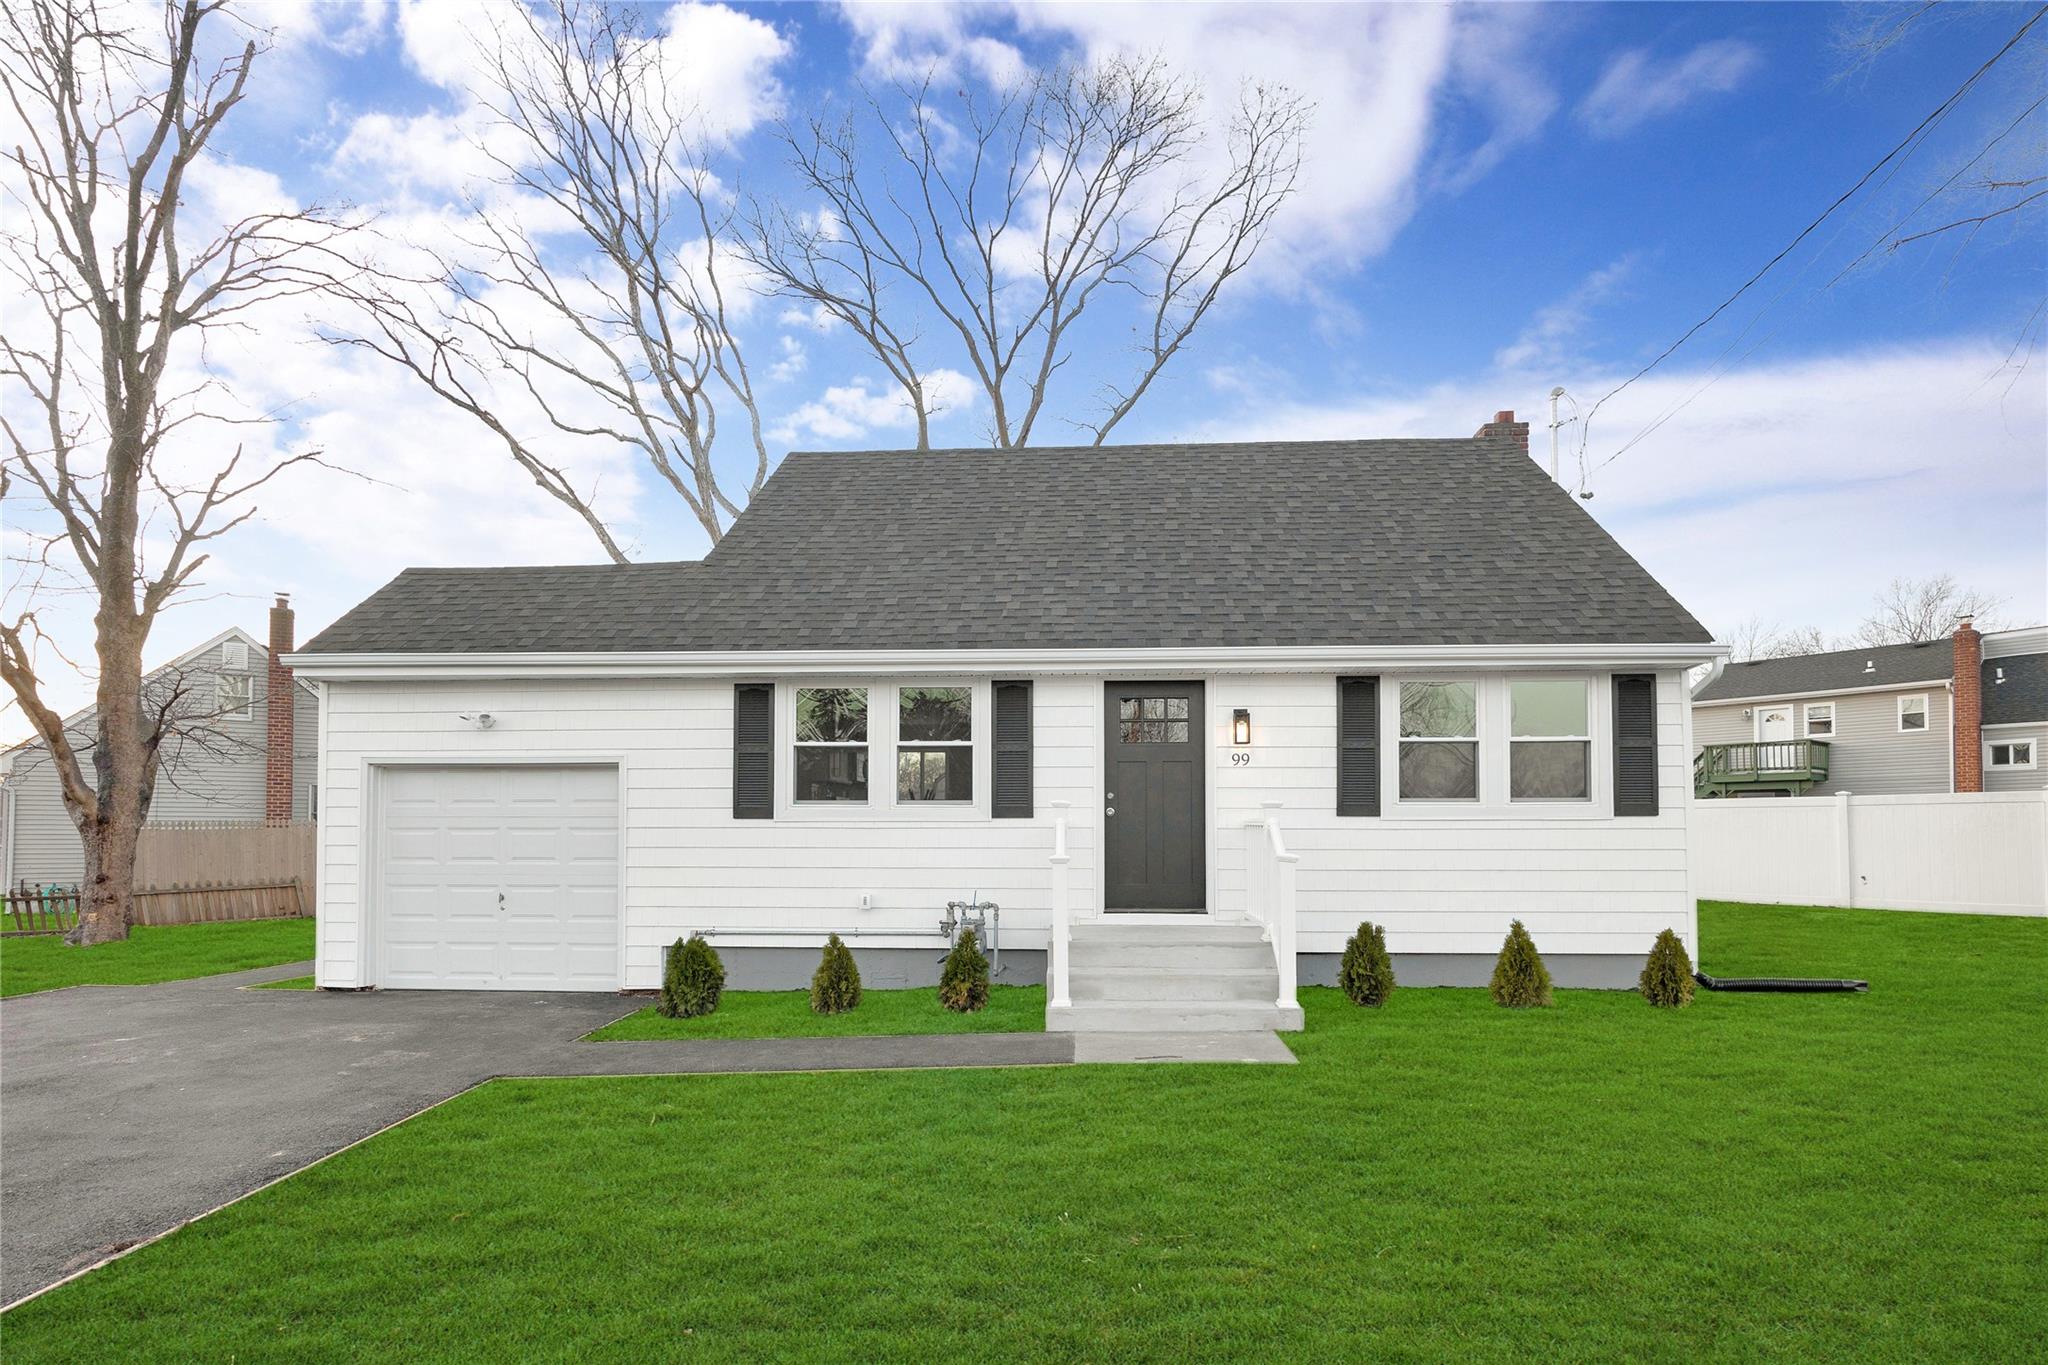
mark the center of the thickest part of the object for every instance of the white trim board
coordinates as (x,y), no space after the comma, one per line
(1178,662)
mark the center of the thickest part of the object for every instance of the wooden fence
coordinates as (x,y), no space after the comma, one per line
(54,909)
(191,852)
(193,873)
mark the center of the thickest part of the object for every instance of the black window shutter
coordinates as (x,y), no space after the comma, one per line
(1635,744)
(1358,746)
(1012,799)
(753,751)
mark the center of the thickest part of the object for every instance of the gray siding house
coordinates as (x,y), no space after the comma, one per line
(1962,714)
(235,765)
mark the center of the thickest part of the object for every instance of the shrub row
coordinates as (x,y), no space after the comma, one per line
(1520,980)
(693,979)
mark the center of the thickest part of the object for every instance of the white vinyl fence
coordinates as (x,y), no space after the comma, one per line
(1979,854)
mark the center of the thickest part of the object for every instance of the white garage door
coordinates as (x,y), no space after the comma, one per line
(499,878)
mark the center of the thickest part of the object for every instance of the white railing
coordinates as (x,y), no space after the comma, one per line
(1062,911)
(1269,893)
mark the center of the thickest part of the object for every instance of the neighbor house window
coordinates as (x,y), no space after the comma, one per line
(1913,713)
(231,696)
(2011,754)
(935,744)
(1549,739)
(831,743)
(1820,719)
(1439,741)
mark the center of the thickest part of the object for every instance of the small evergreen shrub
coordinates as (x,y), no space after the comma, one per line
(1667,977)
(1367,973)
(1520,980)
(963,981)
(836,987)
(692,981)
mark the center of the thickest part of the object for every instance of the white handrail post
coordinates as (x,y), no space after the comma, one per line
(1062,910)
(1280,909)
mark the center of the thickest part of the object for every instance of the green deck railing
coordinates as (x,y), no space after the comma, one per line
(1789,765)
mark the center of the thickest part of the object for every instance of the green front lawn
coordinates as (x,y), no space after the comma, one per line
(1807,1177)
(290,983)
(152,954)
(787,1014)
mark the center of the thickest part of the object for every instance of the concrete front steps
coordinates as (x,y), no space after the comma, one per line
(1192,975)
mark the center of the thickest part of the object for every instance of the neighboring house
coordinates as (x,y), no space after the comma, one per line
(237,763)
(1963,714)
(908,678)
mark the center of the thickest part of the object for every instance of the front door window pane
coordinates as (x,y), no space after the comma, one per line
(1153,720)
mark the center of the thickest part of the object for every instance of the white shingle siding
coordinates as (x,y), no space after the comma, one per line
(1867,754)
(1588,884)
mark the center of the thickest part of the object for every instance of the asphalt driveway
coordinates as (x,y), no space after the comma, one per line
(126,1110)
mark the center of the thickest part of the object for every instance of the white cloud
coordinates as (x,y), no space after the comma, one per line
(1376,74)
(790,359)
(1547,340)
(848,412)
(1637,87)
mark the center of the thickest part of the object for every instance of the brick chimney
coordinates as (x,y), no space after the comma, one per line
(280,710)
(1504,427)
(1969,703)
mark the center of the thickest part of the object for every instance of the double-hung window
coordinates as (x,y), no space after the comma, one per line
(1550,739)
(231,696)
(831,744)
(1913,714)
(1820,719)
(935,744)
(1439,741)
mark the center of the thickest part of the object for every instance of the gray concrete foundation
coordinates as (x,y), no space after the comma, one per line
(881,969)
(1591,971)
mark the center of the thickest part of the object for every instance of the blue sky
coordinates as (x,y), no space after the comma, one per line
(1496,200)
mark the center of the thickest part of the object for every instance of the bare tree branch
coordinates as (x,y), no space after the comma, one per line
(1007,220)
(115,120)
(634,346)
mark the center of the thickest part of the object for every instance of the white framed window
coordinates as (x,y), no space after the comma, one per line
(231,696)
(1820,720)
(1913,714)
(830,745)
(935,744)
(1439,733)
(1550,739)
(2009,755)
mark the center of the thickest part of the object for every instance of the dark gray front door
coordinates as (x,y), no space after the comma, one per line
(1153,801)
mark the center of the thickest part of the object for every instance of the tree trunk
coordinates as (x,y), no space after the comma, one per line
(107,896)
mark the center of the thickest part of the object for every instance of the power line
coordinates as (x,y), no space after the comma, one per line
(1940,112)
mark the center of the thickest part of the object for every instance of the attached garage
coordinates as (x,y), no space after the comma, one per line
(499,877)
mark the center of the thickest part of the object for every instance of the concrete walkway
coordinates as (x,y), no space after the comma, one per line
(127,1110)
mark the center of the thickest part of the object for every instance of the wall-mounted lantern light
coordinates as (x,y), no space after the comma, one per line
(1240,727)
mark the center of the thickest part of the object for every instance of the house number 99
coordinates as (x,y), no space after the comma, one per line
(1240,759)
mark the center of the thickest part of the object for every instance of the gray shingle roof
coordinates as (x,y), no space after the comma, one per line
(1407,542)
(2023,696)
(1838,670)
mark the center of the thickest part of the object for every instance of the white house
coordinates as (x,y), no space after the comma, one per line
(1186,713)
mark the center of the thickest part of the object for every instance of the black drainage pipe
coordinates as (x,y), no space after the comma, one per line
(1788,984)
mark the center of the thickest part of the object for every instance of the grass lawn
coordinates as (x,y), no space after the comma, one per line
(152,954)
(1848,1177)
(787,1014)
(290,983)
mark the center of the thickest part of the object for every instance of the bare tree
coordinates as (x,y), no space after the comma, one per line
(629,341)
(115,120)
(1758,639)
(1001,224)
(1908,610)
